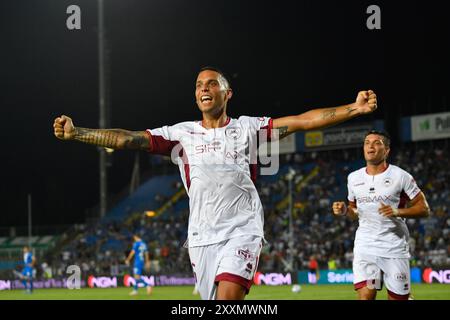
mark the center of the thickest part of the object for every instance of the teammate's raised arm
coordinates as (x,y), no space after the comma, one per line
(366,102)
(109,138)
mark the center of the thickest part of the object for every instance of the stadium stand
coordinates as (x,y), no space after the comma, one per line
(320,179)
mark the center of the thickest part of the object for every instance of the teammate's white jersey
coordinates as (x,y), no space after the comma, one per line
(376,234)
(218,169)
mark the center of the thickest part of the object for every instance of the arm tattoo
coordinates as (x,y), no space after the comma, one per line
(283,132)
(350,109)
(113,138)
(137,140)
(330,113)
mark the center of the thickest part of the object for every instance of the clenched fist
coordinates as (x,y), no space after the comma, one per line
(366,101)
(339,208)
(64,128)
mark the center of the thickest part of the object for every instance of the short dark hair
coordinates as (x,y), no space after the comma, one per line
(384,134)
(215,69)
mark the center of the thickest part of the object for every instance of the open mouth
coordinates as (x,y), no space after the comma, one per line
(205,98)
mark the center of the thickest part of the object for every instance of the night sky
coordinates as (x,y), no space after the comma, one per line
(282,57)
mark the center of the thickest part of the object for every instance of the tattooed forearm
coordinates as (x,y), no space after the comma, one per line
(136,140)
(350,109)
(98,137)
(282,132)
(113,138)
(329,114)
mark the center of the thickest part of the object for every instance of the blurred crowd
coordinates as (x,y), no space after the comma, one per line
(317,233)
(319,179)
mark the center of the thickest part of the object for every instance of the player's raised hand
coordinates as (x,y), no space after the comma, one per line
(63,128)
(387,211)
(339,208)
(366,101)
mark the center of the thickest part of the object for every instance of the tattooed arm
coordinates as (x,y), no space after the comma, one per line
(110,138)
(366,102)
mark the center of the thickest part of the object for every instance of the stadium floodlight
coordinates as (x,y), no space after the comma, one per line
(150,213)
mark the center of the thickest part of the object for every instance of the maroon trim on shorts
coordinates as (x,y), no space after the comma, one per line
(363,284)
(398,296)
(246,283)
(360,285)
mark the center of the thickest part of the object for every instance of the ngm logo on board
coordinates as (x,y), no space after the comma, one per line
(102,282)
(272,279)
(129,281)
(440,276)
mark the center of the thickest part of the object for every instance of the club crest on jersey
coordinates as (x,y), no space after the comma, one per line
(232,155)
(244,253)
(387,182)
(234,133)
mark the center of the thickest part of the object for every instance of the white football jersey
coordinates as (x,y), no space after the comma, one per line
(218,168)
(376,234)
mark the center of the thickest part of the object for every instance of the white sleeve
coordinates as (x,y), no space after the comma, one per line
(162,140)
(258,123)
(409,185)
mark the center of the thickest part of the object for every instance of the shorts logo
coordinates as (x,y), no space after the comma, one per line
(249,267)
(387,182)
(234,133)
(400,277)
(244,254)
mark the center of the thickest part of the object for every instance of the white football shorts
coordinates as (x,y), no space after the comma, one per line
(372,271)
(234,260)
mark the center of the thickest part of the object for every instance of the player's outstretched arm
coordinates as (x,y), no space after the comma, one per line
(130,256)
(109,138)
(366,102)
(341,209)
(418,208)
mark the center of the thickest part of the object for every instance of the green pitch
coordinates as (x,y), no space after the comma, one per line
(308,292)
